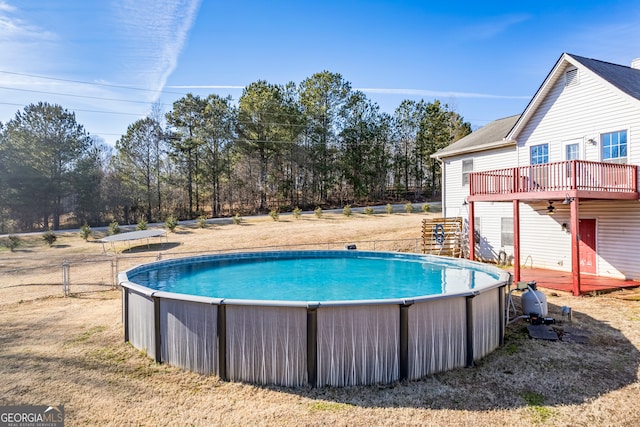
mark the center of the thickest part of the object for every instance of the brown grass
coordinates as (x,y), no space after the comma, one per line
(57,350)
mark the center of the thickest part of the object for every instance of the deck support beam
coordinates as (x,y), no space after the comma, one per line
(575,248)
(516,241)
(472,234)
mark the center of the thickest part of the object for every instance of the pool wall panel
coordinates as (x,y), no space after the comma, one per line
(189,335)
(486,322)
(358,345)
(437,336)
(267,345)
(141,323)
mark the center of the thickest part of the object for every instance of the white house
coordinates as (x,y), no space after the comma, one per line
(557,186)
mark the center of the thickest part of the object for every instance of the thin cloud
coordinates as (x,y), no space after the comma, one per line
(496,25)
(205,87)
(154,33)
(436,94)
(5,7)
(15,31)
(384,91)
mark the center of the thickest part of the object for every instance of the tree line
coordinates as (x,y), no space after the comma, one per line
(317,143)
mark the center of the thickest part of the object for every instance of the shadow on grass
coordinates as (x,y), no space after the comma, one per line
(523,373)
(152,247)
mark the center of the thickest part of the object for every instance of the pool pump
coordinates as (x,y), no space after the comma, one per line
(534,305)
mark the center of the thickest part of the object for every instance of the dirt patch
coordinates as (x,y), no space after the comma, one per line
(70,351)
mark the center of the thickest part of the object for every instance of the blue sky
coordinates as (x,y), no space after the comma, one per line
(110,60)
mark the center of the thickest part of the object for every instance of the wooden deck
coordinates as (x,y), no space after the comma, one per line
(574,178)
(562,281)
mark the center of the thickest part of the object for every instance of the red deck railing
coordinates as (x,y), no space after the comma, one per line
(559,176)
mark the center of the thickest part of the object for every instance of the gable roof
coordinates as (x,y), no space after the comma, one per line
(623,78)
(626,79)
(492,135)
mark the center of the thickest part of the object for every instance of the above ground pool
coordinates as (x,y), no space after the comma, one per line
(295,318)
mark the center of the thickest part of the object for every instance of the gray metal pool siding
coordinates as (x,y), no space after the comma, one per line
(344,343)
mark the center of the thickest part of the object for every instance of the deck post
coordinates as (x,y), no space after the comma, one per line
(516,241)
(575,248)
(472,234)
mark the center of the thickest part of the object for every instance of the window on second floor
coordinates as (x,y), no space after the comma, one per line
(572,151)
(614,147)
(540,154)
(467,166)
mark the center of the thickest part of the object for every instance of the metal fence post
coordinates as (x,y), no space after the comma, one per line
(65,277)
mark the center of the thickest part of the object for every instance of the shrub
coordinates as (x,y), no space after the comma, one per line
(318,212)
(49,237)
(274,214)
(12,242)
(297,213)
(426,207)
(368,210)
(114,228)
(202,221)
(237,219)
(85,232)
(346,211)
(171,223)
(142,224)
(388,208)
(408,208)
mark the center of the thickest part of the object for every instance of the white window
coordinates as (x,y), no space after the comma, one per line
(572,151)
(539,154)
(506,231)
(614,147)
(467,166)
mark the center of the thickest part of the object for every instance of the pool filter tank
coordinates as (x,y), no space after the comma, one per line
(534,302)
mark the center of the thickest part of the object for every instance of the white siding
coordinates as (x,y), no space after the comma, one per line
(567,114)
(454,191)
(544,244)
(583,112)
(490,216)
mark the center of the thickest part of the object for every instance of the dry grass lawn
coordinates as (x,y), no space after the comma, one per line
(70,350)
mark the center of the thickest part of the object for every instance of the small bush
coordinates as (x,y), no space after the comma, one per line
(297,213)
(426,207)
(237,219)
(408,208)
(142,224)
(274,214)
(12,242)
(202,221)
(318,212)
(85,232)
(171,223)
(388,209)
(368,210)
(114,228)
(49,237)
(346,211)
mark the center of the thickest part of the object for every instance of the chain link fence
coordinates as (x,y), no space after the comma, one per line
(74,276)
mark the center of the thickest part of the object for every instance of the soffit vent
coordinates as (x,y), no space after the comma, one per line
(571,77)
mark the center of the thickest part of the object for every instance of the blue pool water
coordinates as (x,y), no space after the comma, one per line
(328,277)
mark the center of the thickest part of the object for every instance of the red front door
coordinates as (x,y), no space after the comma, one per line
(587,245)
